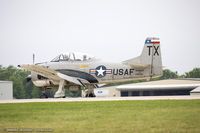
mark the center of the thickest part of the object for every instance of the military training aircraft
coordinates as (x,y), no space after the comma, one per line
(72,70)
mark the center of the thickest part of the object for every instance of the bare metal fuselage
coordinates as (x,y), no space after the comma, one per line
(114,72)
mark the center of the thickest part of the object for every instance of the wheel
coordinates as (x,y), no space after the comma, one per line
(91,95)
(44,95)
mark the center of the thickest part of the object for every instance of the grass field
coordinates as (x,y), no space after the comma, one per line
(165,116)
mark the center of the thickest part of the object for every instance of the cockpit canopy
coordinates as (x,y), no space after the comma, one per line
(73,57)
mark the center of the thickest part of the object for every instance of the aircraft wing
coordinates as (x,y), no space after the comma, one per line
(52,74)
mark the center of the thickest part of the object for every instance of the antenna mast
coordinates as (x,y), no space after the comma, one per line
(33,58)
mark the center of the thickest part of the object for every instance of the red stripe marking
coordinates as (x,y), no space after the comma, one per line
(155,42)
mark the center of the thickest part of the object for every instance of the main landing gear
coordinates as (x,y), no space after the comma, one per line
(60,93)
(88,92)
(44,95)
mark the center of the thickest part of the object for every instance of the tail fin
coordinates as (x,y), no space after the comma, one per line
(151,56)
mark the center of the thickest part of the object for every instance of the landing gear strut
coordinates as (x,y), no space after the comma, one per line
(60,93)
(89,92)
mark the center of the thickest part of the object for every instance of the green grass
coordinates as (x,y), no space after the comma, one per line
(165,116)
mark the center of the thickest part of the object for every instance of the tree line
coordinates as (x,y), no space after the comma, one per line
(168,74)
(23,89)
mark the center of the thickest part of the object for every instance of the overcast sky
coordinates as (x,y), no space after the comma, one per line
(113,30)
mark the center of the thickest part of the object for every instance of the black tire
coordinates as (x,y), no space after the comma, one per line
(44,95)
(92,95)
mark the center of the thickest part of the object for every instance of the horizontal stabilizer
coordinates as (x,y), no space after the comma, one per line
(140,66)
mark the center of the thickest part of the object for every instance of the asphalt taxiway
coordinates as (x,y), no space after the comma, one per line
(101,99)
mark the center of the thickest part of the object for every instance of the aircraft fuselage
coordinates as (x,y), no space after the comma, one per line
(95,72)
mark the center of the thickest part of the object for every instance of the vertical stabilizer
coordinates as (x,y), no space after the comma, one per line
(151,55)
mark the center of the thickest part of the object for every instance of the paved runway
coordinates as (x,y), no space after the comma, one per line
(101,99)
